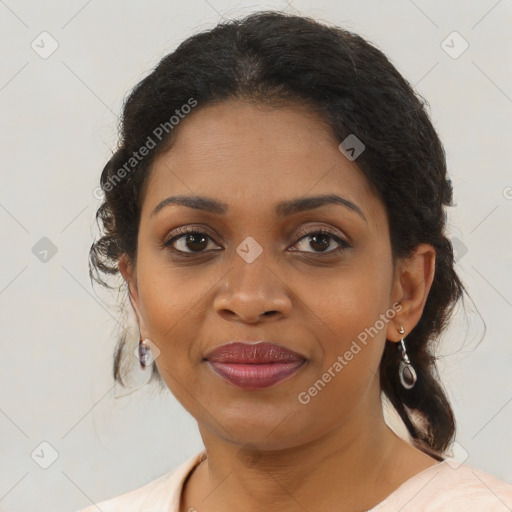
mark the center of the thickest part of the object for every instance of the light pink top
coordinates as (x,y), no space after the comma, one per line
(448,486)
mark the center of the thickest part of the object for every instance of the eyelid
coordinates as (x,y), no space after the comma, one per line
(303,232)
(176,233)
(341,244)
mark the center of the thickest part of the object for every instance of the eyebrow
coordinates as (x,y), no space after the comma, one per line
(282,209)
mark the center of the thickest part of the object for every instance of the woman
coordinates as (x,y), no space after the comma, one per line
(276,210)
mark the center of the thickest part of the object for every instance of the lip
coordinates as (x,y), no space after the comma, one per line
(254,365)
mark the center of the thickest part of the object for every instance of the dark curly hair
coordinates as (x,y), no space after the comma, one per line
(280,59)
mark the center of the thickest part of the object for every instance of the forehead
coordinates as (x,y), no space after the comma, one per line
(253,156)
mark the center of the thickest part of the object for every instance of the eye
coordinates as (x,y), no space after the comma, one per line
(191,240)
(320,240)
(188,238)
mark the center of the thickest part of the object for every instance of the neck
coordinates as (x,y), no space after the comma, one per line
(351,465)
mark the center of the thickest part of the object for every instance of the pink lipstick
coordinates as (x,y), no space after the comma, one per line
(254,365)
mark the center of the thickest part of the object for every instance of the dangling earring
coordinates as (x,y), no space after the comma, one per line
(145,356)
(406,372)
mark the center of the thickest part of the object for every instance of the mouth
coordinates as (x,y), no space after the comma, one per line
(254,365)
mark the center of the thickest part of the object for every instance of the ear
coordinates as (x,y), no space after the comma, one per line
(413,278)
(130,276)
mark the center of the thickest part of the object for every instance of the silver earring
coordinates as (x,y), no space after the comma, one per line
(406,372)
(145,356)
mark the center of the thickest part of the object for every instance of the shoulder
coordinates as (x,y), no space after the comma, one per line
(473,488)
(162,493)
(450,486)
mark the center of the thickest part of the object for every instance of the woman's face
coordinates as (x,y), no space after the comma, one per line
(320,294)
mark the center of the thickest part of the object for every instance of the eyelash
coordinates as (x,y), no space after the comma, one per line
(180,232)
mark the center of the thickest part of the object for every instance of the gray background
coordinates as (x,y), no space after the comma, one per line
(59,118)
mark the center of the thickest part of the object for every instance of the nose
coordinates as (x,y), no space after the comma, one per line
(252,293)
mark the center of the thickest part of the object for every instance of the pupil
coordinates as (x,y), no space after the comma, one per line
(192,236)
(323,245)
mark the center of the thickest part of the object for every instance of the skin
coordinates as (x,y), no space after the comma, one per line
(266,449)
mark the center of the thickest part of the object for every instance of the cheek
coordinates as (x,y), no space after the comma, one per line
(348,304)
(171,308)
(171,294)
(351,295)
